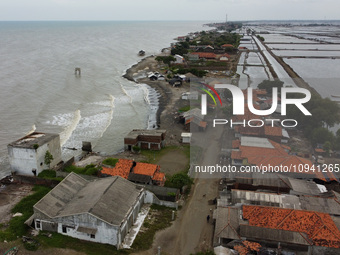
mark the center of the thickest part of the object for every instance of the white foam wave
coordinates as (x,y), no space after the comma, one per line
(66,134)
(125,92)
(112,104)
(32,130)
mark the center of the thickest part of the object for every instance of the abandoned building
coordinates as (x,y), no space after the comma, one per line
(145,139)
(27,155)
(101,211)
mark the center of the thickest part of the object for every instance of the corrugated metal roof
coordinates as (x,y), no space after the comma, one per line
(256,142)
(227,222)
(109,199)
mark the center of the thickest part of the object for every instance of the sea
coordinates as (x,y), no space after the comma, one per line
(39,90)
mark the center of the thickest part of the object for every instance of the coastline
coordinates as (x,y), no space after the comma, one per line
(149,64)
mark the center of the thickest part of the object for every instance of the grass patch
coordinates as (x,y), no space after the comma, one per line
(16,227)
(184,108)
(49,175)
(161,219)
(153,157)
(88,170)
(91,248)
(110,161)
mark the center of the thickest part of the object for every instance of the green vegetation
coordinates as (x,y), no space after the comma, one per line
(136,149)
(16,227)
(260,38)
(325,113)
(162,217)
(269,85)
(153,157)
(91,248)
(184,108)
(179,180)
(88,170)
(50,175)
(165,59)
(48,159)
(110,161)
(35,146)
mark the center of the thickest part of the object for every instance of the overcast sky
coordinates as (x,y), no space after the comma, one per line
(214,10)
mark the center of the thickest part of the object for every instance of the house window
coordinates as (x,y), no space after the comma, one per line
(64,229)
(38,224)
(93,236)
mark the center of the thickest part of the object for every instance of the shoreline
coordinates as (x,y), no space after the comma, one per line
(149,64)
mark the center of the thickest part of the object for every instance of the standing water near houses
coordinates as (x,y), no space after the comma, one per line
(40,91)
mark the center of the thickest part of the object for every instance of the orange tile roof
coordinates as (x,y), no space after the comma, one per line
(205,54)
(236,154)
(146,169)
(319,150)
(227,45)
(159,177)
(273,131)
(319,227)
(236,144)
(121,169)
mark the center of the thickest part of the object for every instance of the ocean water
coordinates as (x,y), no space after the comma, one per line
(39,91)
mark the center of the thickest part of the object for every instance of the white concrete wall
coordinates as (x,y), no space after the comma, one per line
(106,233)
(23,160)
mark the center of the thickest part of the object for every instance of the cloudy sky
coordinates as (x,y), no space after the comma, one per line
(214,10)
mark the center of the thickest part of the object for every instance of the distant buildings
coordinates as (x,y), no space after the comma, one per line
(27,155)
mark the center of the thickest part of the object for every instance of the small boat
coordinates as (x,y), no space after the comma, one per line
(336,96)
(141,53)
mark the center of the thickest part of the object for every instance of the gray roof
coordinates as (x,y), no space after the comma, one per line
(136,132)
(109,199)
(30,140)
(227,222)
(302,186)
(320,204)
(161,191)
(265,198)
(277,235)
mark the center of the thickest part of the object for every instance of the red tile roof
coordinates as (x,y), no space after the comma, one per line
(207,55)
(227,45)
(121,169)
(273,131)
(319,227)
(159,177)
(236,144)
(146,169)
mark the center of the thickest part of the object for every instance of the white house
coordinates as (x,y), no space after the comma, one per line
(186,137)
(27,155)
(179,59)
(100,211)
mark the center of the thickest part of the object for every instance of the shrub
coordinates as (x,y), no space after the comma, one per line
(110,161)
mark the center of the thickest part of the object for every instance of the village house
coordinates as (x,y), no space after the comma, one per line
(276,134)
(193,120)
(101,211)
(179,59)
(27,155)
(141,173)
(145,139)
